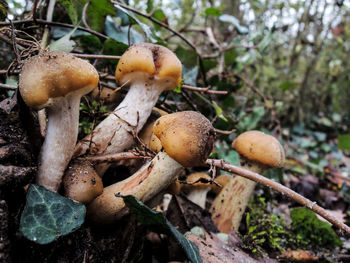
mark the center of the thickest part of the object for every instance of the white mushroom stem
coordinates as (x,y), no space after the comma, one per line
(199,196)
(146,183)
(229,206)
(61,136)
(115,133)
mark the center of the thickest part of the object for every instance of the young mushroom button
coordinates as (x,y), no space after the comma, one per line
(258,152)
(148,70)
(56,81)
(187,138)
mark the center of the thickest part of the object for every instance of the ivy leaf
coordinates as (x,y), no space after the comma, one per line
(145,28)
(72,10)
(47,215)
(190,75)
(97,12)
(158,223)
(115,48)
(64,43)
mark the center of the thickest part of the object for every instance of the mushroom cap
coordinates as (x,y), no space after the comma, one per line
(186,136)
(52,75)
(222,180)
(154,61)
(194,177)
(260,147)
(174,188)
(82,183)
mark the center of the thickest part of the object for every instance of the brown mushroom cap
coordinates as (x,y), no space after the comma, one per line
(174,188)
(186,136)
(50,75)
(82,183)
(193,180)
(260,147)
(154,61)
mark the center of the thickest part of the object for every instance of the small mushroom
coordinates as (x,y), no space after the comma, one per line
(56,81)
(149,70)
(197,187)
(82,183)
(187,138)
(258,152)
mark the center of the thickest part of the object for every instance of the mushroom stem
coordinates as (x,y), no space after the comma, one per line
(57,148)
(151,179)
(115,133)
(199,196)
(230,204)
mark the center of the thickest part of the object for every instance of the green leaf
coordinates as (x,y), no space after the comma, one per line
(149,6)
(71,8)
(251,121)
(120,33)
(209,64)
(230,57)
(235,22)
(287,85)
(306,224)
(115,48)
(96,13)
(262,46)
(344,142)
(64,43)
(219,111)
(158,223)
(145,28)
(211,11)
(47,215)
(188,57)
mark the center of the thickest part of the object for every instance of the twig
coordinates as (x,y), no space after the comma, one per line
(84,15)
(110,158)
(205,90)
(5,71)
(224,132)
(49,15)
(14,44)
(279,188)
(6,86)
(44,22)
(95,56)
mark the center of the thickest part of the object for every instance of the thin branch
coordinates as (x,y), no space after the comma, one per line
(6,86)
(148,16)
(95,56)
(84,15)
(205,90)
(279,188)
(44,22)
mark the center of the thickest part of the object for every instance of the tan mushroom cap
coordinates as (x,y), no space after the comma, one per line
(154,60)
(186,136)
(193,180)
(54,74)
(82,183)
(260,147)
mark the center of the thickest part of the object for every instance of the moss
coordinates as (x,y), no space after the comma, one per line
(311,230)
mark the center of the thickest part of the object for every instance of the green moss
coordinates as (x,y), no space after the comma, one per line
(311,230)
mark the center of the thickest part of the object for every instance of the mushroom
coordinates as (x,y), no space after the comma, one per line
(221,180)
(148,69)
(82,183)
(56,81)
(187,138)
(198,188)
(258,152)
